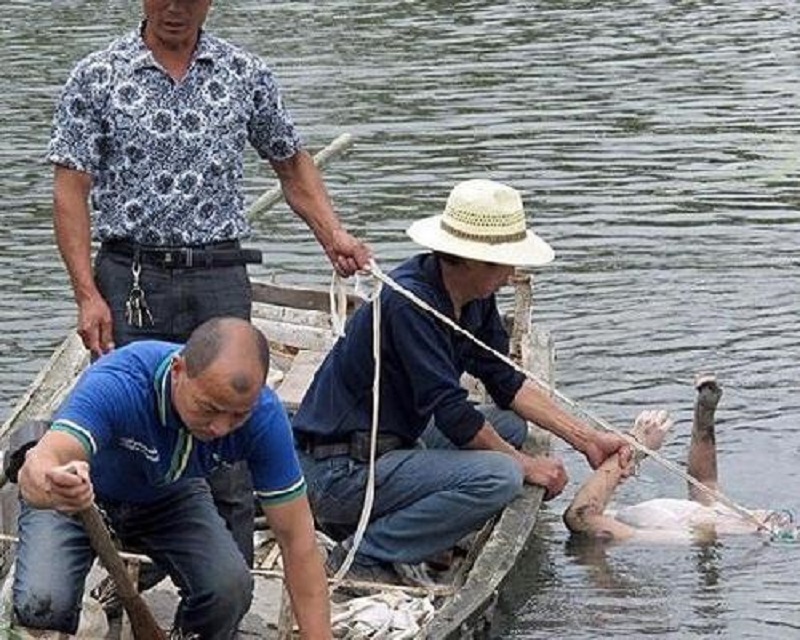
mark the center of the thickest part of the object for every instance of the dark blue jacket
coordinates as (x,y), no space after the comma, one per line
(422,361)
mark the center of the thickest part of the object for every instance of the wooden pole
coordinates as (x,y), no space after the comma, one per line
(274,195)
(143,623)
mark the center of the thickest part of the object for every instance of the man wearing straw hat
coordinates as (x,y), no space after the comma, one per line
(429,498)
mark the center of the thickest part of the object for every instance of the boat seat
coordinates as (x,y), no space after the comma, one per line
(297,379)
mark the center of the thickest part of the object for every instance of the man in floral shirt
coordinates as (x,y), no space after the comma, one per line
(152,130)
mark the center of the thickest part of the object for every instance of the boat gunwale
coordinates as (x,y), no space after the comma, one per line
(469,608)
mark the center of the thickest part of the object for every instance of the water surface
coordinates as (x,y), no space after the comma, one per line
(656,144)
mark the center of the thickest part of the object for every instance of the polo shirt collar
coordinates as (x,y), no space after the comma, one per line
(169,419)
(163,388)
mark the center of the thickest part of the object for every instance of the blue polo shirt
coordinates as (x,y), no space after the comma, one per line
(121,412)
(422,361)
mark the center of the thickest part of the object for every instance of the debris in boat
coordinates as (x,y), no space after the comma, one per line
(389,616)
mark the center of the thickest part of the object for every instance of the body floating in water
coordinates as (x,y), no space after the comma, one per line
(667,520)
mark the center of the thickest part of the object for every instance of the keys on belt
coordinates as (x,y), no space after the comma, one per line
(137,313)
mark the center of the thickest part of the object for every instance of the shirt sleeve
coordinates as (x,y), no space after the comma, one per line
(501,381)
(271,130)
(422,346)
(272,459)
(91,409)
(77,138)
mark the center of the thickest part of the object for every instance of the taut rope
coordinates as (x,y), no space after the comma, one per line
(571,404)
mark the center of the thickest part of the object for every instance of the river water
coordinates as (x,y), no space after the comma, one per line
(656,144)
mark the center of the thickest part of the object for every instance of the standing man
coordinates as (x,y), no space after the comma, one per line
(138,433)
(153,129)
(427,499)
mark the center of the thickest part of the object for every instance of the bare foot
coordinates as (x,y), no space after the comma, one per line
(650,428)
(708,391)
(705,406)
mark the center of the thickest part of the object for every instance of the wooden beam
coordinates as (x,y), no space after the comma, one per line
(274,195)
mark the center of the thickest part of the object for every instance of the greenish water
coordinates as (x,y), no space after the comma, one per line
(656,144)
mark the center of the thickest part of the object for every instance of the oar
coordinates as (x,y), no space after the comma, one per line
(273,195)
(143,623)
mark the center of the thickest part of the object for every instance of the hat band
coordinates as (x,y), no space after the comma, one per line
(478,237)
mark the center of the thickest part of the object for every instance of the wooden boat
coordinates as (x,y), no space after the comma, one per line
(297,322)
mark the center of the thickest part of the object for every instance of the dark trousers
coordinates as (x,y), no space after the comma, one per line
(55,555)
(179,300)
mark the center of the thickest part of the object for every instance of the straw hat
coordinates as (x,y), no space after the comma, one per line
(483,220)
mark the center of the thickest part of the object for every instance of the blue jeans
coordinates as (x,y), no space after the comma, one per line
(426,499)
(180,300)
(182,532)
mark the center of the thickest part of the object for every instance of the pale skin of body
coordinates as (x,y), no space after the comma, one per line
(211,405)
(171,33)
(586,514)
(467,280)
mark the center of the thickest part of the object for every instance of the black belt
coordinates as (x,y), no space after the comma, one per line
(217,254)
(356,445)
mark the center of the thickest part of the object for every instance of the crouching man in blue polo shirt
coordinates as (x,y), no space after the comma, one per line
(139,434)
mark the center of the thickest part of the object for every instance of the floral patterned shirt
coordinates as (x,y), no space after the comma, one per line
(166,157)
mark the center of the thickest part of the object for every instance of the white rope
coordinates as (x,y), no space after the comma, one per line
(338,298)
(574,406)
(369,496)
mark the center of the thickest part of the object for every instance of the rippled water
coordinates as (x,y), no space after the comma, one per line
(656,144)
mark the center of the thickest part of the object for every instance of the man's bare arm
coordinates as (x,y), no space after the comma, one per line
(585,513)
(55,474)
(293,527)
(307,196)
(535,405)
(72,224)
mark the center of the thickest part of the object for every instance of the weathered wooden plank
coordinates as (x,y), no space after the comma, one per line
(299,297)
(290,315)
(50,386)
(293,335)
(298,378)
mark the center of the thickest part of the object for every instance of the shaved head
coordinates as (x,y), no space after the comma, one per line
(230,338)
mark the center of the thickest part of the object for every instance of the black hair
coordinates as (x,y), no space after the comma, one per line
(449,258)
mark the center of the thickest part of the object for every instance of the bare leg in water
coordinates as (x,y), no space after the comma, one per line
(703,448)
